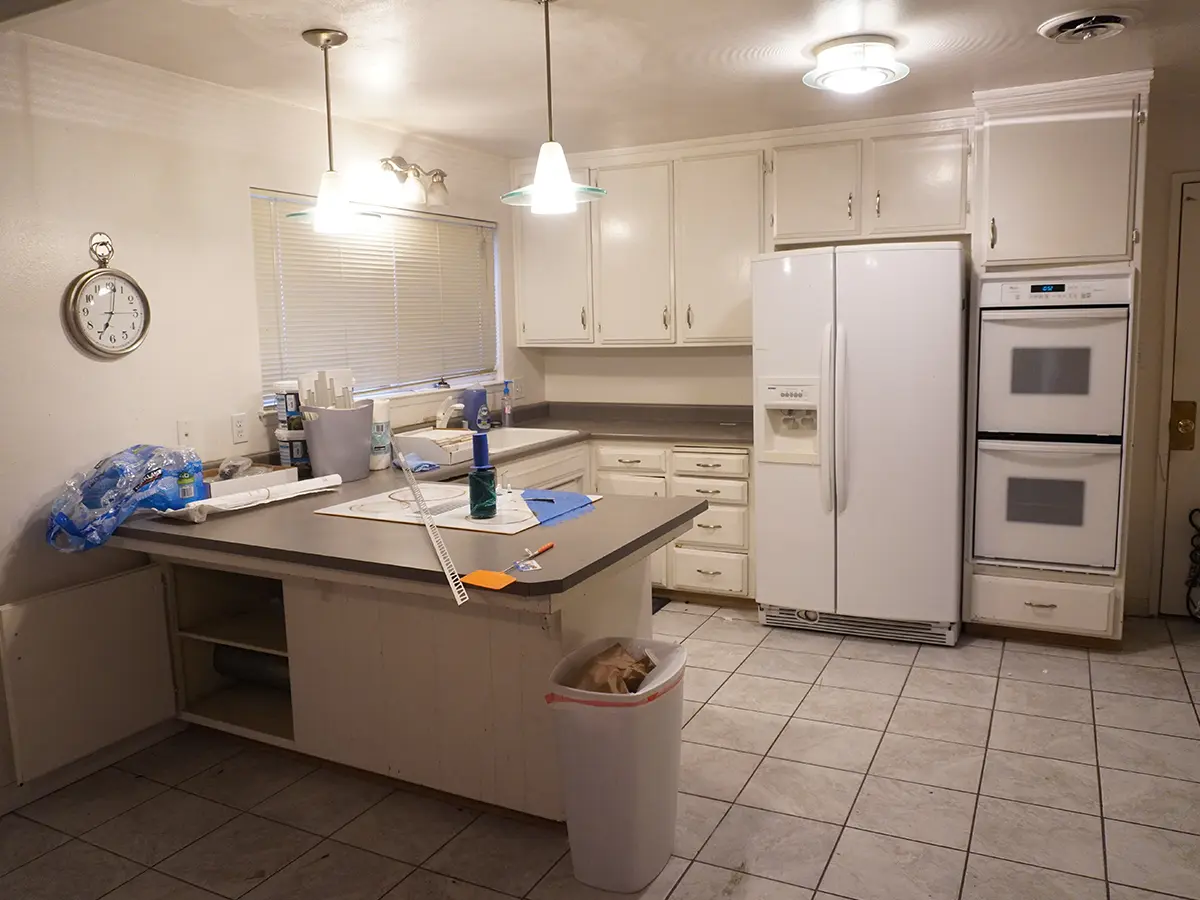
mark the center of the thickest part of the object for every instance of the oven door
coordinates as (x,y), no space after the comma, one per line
(1053,371)
(1047,503)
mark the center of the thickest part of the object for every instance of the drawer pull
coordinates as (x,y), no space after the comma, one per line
(708,572)
(629,462)
(708,465)
(709,527)
(1033,605)
(706,491)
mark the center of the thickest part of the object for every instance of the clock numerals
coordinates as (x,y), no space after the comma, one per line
(109,314)
(89,326)
(87,312)
(136,313)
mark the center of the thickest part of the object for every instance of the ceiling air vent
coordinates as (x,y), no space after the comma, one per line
(1087,25)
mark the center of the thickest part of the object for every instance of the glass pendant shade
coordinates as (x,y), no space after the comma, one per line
(437,194)
(332,214)
(552,193)
(413,191)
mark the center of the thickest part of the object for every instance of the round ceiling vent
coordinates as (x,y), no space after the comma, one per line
(1088,25)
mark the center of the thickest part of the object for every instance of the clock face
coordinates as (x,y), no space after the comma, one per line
(109,313)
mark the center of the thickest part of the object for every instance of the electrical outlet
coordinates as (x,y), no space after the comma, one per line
(518,388)
(186,433)
(238,424)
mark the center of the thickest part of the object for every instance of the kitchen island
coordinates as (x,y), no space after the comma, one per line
(386,673)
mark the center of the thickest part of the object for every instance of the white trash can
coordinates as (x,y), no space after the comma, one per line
(619,758)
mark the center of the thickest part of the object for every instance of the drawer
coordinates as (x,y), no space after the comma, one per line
(727,465)
(709,570)
(618,484)
(712,489)
(632,458)
(721,526)
(1043,605)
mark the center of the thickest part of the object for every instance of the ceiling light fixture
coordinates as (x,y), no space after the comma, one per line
(412,188)
(856,64)
(552,193)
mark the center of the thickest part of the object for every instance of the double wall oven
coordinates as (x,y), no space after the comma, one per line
(1053,370)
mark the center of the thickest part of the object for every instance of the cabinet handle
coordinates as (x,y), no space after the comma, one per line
(878,198)
(666,319)
(708,465)
(1033,605)
(583,316)
(993,229)
(689,315)
(628,462)
(706,491)
(708,527)
(709,571)
(850,205)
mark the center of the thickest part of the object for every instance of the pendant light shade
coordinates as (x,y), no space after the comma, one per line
(552,193)
(332,214)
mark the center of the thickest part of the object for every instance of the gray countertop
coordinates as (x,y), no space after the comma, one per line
(290,532)
(635,429)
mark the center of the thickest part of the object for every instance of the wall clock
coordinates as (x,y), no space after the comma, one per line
(106,311)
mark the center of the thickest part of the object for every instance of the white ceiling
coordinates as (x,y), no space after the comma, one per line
(626,71)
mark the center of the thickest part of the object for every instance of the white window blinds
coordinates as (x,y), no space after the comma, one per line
(408,303)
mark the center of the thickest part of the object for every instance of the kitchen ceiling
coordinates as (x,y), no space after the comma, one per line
(626,71)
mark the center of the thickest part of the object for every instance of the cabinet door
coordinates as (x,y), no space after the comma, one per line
(919,183)
(1059,188)
(718,230)
(818,190)
(634,296)
(554,275)
(619,484)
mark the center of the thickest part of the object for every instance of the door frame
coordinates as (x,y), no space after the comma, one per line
(1167,387)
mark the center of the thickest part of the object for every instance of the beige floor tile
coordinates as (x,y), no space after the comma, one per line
(715,655)
(238,856)
(81,806)
(827,744)
(1039,836)
(799,789)
(771,845)
(332,870)
(690,708)
(1121,892)
(878,651)
(664,637)
(915,811)
(1146,714)
(422,885)
(802,641)
(1189,657)
(695,822)
(846,707)
(769,695)
(700,684)
(1153,859)
(704,882)
(675,623)
(560,884)
(1039,736)
(1050,700)
(245,780)
(503,854)
(750,634)
(74,871)
(734,729)
(183,755)
(325,800)
(869,866)
(940,721)
(864,675)
(999,879)
(408,827)
(1151,754)
(1035,779)
(151,885)
(1145,642)
(1044,669)
(714,772)
(1141,681)
(961,688)
(1045,650)
(937,763)
(786,664)
(1151,800)
(974,657)
(22,840)
(687,606)
(159,827)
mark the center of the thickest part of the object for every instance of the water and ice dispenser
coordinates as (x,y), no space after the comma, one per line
(787,421)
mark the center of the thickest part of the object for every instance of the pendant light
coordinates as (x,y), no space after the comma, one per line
(552,193)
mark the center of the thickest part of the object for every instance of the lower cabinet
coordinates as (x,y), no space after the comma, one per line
(556,470)
(624,484)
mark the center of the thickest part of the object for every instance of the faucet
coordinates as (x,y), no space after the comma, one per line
(451,406)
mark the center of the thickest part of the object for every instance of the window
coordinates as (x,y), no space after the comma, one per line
(409,303)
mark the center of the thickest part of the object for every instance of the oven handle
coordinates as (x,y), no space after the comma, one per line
(1080,451)
(1056,315)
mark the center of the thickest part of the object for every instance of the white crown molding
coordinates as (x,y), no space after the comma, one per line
(1101,87)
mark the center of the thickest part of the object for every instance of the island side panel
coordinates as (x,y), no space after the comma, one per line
(616,603)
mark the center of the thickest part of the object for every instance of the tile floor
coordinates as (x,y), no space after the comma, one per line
(813,768)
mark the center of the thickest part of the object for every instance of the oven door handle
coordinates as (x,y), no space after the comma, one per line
(1108,313)
(1081,451)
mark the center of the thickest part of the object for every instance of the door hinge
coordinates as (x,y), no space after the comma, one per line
(769,167)
(599,327)
(772,220)
(522,328)
(1137,236)
(1141,117)
(970,149)
(968,206)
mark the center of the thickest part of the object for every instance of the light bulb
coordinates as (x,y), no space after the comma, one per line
(553,191)
(332,213)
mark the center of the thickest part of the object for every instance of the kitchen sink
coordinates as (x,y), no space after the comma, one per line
(448,446)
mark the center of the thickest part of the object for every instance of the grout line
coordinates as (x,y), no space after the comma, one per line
(962,883)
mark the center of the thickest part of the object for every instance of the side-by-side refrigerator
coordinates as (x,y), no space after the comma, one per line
(858,416)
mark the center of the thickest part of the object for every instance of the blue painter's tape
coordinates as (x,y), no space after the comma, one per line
(552,507)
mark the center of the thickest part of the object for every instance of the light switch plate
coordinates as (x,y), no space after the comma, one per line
(238,425)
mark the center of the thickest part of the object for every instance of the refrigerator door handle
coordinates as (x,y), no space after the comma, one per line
(825,420)
(840,426)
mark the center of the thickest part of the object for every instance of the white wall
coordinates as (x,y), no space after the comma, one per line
(715,376)
(164,164)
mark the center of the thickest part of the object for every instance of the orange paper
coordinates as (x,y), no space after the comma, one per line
(484,578)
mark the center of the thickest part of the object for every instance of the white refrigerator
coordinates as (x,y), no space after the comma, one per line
(858,415)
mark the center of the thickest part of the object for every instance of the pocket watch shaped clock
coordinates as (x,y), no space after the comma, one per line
(106,311)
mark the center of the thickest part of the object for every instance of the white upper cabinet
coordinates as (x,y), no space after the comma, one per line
(818,191)
(718,230)
(917,183)
(553,273)
(1059,183)
(633,265)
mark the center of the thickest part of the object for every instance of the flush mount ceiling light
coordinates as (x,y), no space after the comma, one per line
(856,64)
(1088,25)
(412,185)
(552,193)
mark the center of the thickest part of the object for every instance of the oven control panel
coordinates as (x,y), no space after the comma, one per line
(1049,291)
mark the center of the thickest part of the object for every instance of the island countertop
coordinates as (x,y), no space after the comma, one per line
(291,532)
